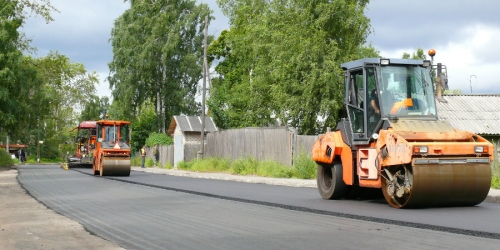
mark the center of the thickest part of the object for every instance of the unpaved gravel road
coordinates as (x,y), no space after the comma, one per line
(27,224)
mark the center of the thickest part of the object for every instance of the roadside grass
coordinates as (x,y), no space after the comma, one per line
(137,161)
(495,181)
(304,167)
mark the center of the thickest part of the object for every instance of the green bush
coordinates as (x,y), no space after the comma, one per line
(158,139)
(5,158)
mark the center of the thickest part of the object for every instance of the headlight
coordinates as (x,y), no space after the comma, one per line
(420,149)
(384,61)
(480,149)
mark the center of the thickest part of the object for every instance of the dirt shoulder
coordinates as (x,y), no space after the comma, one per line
(27,224)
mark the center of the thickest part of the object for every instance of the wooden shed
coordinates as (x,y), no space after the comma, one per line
(186,131)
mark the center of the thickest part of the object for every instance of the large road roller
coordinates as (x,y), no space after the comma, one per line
(111,155)
(390,138)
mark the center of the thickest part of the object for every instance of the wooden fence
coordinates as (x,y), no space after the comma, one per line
(277,144)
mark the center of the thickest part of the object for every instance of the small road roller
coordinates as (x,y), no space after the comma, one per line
(111,154)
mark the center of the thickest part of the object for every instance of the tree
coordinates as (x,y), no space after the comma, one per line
(95,109)
(280,61)
(64,87)
(19,92)
(143,126)
(418,55)
(157,57)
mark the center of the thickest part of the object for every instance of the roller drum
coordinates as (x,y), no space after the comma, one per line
(444,185)
(115,166)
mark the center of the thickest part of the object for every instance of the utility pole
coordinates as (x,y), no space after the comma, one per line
(470,82)
(38,141)
(205,73)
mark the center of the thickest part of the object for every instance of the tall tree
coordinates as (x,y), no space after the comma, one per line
(19,84)
(65,87)
(281,60)
(157,56)
(95,109)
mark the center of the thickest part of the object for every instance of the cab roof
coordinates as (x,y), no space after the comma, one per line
(85,125)
(112,122)
(361,62)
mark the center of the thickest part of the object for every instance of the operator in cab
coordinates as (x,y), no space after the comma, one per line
(386,96)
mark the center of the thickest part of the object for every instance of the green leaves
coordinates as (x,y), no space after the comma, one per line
(280,61)
(157,57)
(418,55)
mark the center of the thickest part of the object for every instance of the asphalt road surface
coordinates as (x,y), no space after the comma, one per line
(152,211)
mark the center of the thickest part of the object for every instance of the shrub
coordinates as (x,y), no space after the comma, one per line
(158,139)
(5,158)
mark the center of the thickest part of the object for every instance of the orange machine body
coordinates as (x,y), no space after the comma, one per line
(112,149)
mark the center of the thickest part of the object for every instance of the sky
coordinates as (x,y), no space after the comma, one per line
(465,35)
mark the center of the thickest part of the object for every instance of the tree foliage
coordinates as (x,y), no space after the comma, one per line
(143,126)
(38,96)
(157,57)
(280,61)
(418,55)
(159,139)
(95,109)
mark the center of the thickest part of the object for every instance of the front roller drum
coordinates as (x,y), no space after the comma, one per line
(436,185)
(115,166)
(331,186)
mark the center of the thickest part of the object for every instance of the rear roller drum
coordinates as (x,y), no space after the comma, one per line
(331,186)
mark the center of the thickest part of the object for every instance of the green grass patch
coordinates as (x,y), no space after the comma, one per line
(206,165)
(250,166)
(495,182)
(304,167)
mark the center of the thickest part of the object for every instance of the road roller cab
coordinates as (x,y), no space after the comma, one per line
(111,156)
(84,142)
(391,139)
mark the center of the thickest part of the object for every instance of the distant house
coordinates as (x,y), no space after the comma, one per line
(479,114)
(186,131)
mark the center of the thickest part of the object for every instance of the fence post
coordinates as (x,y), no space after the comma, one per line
(295,133)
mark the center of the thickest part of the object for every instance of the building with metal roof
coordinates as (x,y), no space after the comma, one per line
(186,131)
(479,114)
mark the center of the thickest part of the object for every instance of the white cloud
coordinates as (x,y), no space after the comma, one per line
(472,59)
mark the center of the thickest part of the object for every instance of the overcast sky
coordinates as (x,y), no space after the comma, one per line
(465,35)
